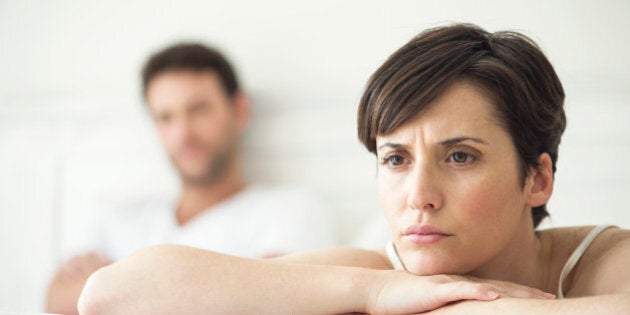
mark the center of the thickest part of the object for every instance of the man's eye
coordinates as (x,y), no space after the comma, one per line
(199,108)
(461,157)
(394,160)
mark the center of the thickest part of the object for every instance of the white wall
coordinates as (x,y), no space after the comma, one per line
(73,132)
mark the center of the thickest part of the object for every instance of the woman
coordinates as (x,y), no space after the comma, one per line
(466,126)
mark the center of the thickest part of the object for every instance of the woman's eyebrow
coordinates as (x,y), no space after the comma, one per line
(462,139)
(396,146)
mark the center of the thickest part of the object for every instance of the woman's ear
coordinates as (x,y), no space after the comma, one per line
(539,184)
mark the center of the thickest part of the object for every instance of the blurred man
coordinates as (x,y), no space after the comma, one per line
(200,113)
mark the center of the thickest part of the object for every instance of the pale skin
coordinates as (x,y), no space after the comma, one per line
(199,125)
(66,286)
(453,168)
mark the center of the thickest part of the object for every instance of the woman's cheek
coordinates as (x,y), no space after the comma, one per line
(392,197)
(479,200)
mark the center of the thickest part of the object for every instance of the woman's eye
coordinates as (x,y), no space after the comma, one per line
(461,157)
(394,160)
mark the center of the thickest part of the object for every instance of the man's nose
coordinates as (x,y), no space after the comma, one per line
(183,129)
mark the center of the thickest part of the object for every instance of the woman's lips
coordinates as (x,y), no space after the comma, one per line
(424,234)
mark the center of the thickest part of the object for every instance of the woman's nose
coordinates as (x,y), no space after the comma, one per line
(424,189)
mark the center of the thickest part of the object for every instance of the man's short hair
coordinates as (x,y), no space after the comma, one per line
(193,57)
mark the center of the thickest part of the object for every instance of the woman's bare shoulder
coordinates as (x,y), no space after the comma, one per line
(566,239)
(341,256)
(602,269)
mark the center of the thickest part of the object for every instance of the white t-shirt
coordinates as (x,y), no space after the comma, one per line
(253,223)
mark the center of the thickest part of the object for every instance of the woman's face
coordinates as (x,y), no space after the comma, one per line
(449,183)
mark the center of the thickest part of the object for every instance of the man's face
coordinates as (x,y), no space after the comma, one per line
(197,123)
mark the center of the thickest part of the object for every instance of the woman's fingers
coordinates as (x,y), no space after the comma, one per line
(466,290)
(509,289)
(522,292)
(456,288)
(404,293)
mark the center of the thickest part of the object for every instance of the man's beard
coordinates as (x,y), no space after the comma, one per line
(215,169)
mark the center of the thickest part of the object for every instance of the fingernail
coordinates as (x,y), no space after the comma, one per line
(550,296)
(492,294)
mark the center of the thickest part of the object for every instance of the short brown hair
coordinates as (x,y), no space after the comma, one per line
(193,57)
(509,66)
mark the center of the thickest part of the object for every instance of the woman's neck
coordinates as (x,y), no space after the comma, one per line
(525,260)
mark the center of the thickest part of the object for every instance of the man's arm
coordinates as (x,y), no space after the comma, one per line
(66,285)
(180,279)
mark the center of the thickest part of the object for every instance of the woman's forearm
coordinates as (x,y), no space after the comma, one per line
(187,280)
(601,305)
(178,279)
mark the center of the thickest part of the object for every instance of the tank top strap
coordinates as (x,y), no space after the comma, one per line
(392,254)
(577,254)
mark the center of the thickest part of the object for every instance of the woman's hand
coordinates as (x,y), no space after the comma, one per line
(179,279)
(401,292)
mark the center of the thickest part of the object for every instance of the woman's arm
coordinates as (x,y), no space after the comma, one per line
(600,286)
(602,304)
(604,271)
(179,279)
